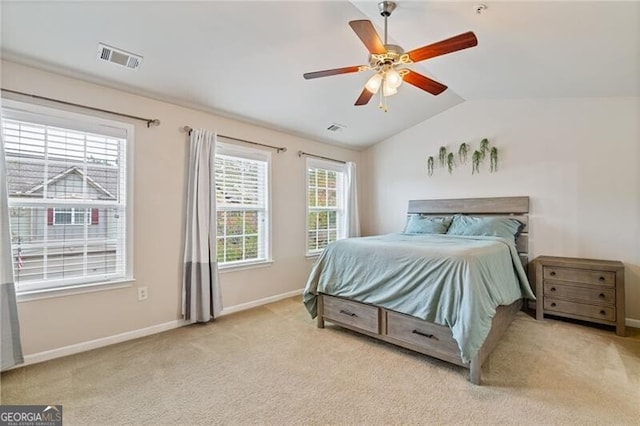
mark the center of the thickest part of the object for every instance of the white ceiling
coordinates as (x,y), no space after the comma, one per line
(246,59)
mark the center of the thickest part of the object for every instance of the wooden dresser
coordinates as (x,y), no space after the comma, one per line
(584,289)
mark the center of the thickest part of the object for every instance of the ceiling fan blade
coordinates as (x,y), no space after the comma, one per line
(453,44)
(327,73)
(424,83)
(364,97)
(367,33)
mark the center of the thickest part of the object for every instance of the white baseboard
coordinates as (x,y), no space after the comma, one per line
(98,343)
(259,302)
(135,334)
(632,323)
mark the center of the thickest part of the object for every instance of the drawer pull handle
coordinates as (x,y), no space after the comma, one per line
(601,295)
(603,312)
(420,333)
(351,314)
(553,304)
(553,274)
(601,278)
(553,289)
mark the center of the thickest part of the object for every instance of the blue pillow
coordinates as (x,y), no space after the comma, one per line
(417,224)
(491,226)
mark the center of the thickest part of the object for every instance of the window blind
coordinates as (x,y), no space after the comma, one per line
(241,205)
(67,200)
(325,204)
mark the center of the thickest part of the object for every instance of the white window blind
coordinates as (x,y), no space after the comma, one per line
(66,177)
(242,201)
(325,204)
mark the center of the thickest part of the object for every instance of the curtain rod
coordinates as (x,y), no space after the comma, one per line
(278,149)
(150,121)
(301,153)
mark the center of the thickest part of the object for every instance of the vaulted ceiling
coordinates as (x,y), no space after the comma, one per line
(246,59)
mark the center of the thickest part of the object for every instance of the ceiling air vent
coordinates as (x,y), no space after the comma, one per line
(337,128)
(119,56)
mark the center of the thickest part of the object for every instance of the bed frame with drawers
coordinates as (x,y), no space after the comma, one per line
(422,336)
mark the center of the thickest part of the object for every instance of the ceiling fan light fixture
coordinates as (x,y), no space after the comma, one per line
(393,78)
(373,85)
(388,89)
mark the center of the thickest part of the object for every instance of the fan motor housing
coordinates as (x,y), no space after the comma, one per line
(392,57)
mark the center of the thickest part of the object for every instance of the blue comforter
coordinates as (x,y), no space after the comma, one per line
(457,281)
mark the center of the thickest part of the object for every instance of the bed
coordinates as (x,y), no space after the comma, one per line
(447,296)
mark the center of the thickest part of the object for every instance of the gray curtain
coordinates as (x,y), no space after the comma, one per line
(10,346)
(201,299)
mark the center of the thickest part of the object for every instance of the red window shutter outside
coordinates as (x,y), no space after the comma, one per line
(95,216)
(49,216)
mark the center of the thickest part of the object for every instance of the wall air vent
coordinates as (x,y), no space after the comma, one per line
(119,56)
(336,127)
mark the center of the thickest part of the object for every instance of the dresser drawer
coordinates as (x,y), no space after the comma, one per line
(347,312)
(607,313)
(420,333)
(594,295)
(583,276)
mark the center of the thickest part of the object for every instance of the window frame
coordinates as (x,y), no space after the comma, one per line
(57,117)
(233,150)
(341,207)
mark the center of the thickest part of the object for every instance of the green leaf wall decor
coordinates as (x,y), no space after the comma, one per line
(442,156)
(449,160)
(463,151)
(430,162)
(493,155)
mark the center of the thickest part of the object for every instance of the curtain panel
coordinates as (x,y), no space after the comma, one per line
(201,300)
(10,345)
(353,217)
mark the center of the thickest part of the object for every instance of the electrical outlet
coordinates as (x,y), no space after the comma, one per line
(143,293)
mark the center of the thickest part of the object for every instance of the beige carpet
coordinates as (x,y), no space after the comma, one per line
(270,365)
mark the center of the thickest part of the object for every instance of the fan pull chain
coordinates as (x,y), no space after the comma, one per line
(383,102)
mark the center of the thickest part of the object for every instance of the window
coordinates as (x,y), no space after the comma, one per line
(71,216)
(242,204)
(325,204)
(67,181)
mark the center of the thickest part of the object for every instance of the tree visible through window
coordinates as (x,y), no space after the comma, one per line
(241,205)
(325,207)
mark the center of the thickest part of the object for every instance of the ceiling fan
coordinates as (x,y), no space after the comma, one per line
(387,60)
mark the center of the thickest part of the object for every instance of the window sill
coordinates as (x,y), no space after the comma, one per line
(31,295)
(245,265)
(313,256)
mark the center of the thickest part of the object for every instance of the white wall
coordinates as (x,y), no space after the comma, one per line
(577,159)
(160,158)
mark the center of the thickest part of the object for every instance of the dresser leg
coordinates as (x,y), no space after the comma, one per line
(621,331)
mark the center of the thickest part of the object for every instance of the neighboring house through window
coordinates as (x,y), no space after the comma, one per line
(242,205)
(68,198)
(326,203)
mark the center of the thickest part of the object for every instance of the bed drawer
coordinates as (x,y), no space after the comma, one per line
(351,313)
(423,334)
(593,295)
(606,313)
